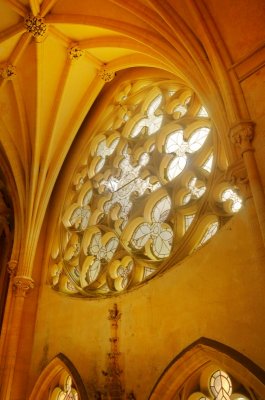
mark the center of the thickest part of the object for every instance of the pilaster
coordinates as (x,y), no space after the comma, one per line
(242,135)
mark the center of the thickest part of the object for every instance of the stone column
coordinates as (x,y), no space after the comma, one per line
(21,286)
(242,134)
(11,268)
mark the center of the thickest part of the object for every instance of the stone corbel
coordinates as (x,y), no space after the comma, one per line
(236,175)
(241,134)
(75,52)
(22,285)
(105,74)
(8,72)
(12,267)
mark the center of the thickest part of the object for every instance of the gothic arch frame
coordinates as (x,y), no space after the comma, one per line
(200,354)
(56,366)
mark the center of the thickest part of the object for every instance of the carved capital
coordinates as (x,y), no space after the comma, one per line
(106,75)
(8,72)
(36,26)
(75,53)
(242,134)
(236,174)
(12,267)
(22,285)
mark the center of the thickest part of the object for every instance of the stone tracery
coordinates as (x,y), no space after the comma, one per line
(216,385)
(143,181)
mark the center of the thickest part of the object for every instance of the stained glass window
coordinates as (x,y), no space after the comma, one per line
(218,386)
(143,185)
(210,232)
(231,196)
(65,389)
(202,112)
(188,220)
(208,164)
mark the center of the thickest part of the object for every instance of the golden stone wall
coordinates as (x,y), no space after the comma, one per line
(215,293)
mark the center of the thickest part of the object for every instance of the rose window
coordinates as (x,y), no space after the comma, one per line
(150,177)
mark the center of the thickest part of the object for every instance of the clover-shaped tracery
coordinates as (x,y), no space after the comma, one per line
(77,215)
(66,285)
(129,181)
(232,199)
(56,271)
(151,122)
(220,385)
(99,249)
(195,190)
(122,96)
(65,389)
(176,146)
(72,248)
(80,178)
(151,232)
(120,271)
(179,104)
(101,148)
(122,115)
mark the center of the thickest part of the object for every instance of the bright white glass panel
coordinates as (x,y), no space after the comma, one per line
(141,235)
(181,109)
(221,386)
(230,194)
(176,166)
(154,105)
(211,231)
(208,164)
(163,243)
(161,210)
(94,271)
(174,142)
(202,112)
(188,220)
(197,139)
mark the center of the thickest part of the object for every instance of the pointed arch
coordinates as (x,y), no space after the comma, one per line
(200,355)
(50,377)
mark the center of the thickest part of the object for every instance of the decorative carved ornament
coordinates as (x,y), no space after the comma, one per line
(242,134)
(106,75)
(237,175)
(35,25)
(12,267)
(75,53)
(22,285)
(8,72)
(114,388)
